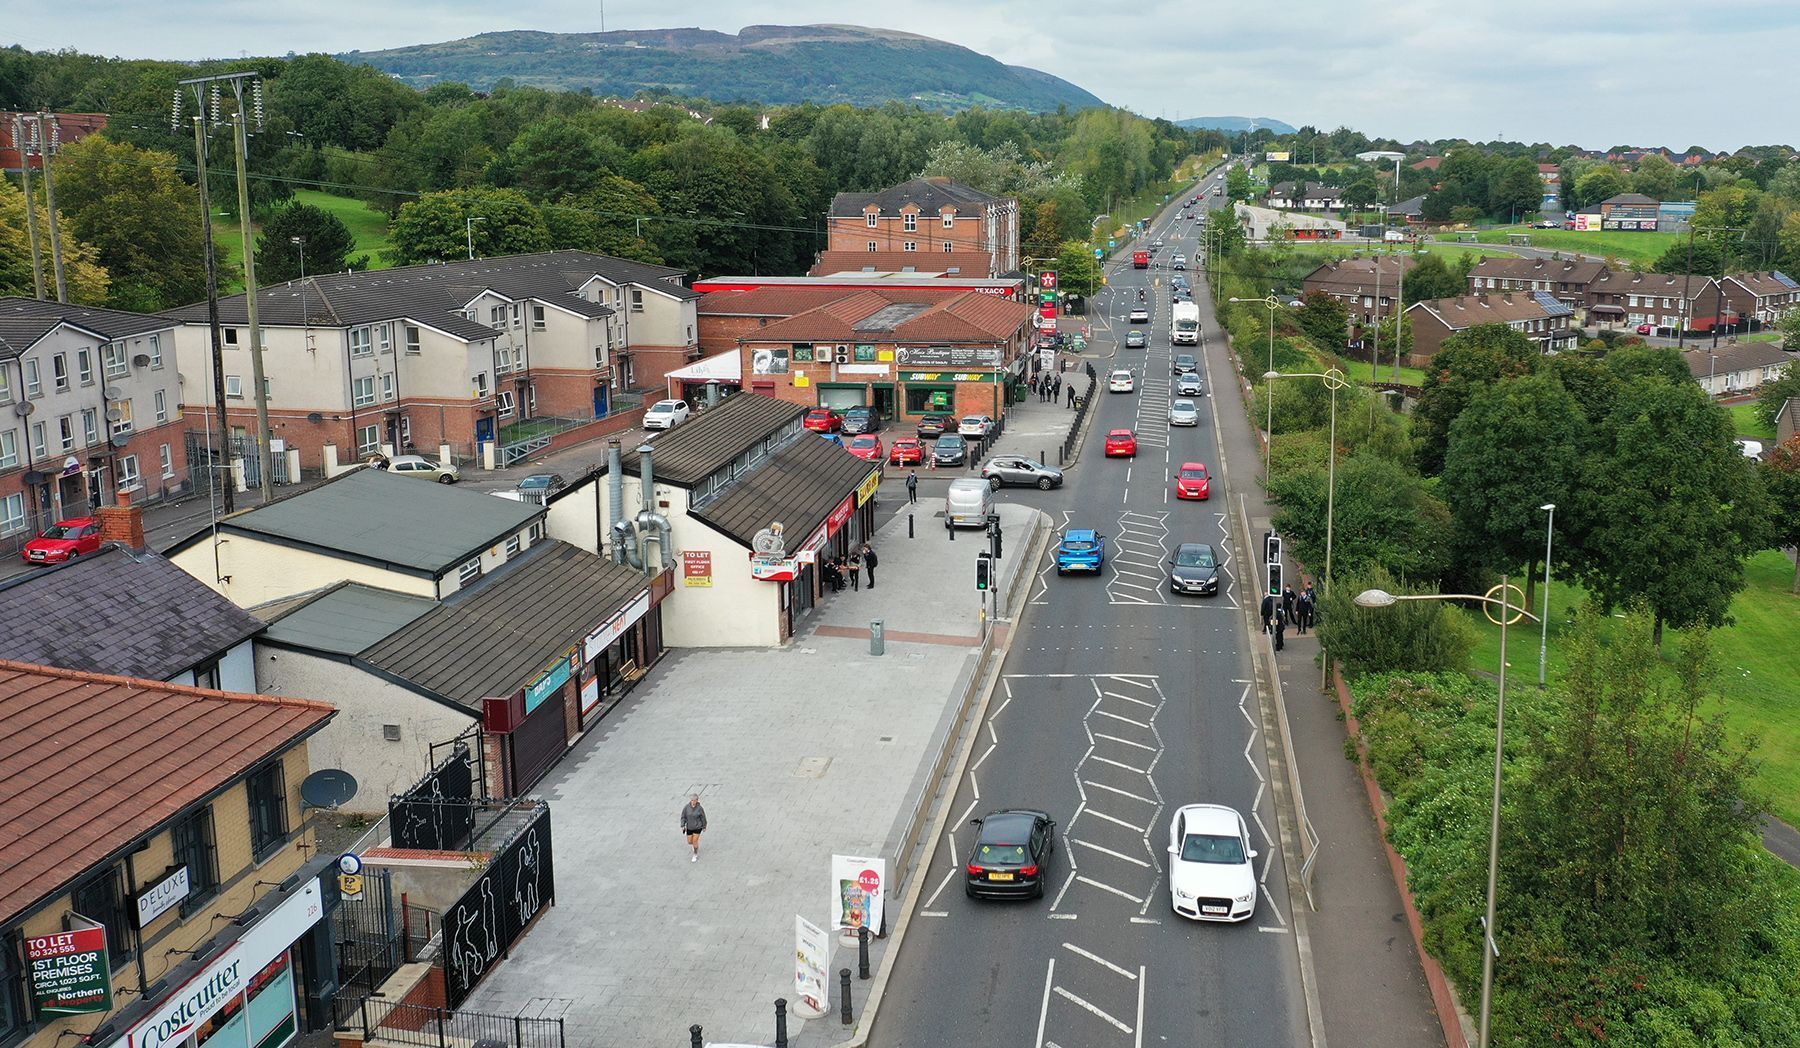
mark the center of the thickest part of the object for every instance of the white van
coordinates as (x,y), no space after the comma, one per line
(970,501)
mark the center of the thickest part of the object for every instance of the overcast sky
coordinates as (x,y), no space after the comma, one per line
(1717,73)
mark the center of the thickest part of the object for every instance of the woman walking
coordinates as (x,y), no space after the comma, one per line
(693,824)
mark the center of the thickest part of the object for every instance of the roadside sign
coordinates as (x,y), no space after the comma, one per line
(1047,280)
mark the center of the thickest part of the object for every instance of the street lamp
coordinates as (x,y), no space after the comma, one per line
(1544,634)
(1334,380)
(469,234)
(1510,613)
(1268,444)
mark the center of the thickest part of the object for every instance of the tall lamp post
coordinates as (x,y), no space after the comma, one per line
(1510,613)
(1334,380)
(1544,622)
(1268,444)
(469,234)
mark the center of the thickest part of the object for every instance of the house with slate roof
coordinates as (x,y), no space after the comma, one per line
(1537,315)
(931,224)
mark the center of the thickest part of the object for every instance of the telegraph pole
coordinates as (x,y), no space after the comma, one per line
(48,138)
(263,436)
(212,282)
(31,229)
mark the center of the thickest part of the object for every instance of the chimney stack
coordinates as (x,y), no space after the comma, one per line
(122,523)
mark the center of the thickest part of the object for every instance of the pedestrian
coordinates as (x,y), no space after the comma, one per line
(1303,613)
(1309,608)
(834,579)
(1071,398)
(693,824)
(912,487)
(1268,613)
(1280,628)
(1287,601)
(869,561)
(853,568)
(1033,383)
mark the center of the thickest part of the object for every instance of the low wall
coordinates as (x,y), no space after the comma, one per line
(617,422)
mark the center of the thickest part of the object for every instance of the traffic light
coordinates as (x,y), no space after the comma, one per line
(984,571)
(1274,578)
(1272,560)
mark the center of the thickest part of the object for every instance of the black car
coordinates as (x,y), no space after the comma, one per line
(1011,856)
(951,449)
(1136,339)
(1194,569)
(860,420)
(932,427)
(1183,364)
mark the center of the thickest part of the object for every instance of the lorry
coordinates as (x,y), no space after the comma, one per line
(1185,329)
(1140,260)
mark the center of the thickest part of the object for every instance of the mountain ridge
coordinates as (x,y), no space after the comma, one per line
(1237,123)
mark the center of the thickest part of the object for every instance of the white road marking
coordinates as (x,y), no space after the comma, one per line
(1272,931)
(933,913)
(1115,789)
(1126,742)
(1127,720)
(963,821)
(1097,959)
(1145,920)
(1127,767)
(1140,1012)
(1092,1009)
(1117,822)
(984,755)
(945,883)
(1127,698)
(1063,916)
(1044,1009)
(1089,881)
(1109,851)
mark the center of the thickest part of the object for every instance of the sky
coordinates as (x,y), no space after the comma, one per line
(1594,73)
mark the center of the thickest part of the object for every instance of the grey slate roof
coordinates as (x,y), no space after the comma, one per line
(25,320)
(404,523)
(928,194)
(799,486)
(496,636)
(130,614)
(690,452)
(1737,356)
(346,618)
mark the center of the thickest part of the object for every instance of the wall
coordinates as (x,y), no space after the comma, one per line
(353,740)
(259,571)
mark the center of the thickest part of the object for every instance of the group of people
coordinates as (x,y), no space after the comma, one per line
(1295,609)
(1048,387)
(840,571)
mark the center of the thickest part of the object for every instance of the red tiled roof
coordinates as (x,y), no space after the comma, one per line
(89,762)
(969,316)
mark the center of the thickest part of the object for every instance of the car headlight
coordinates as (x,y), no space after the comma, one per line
(1250,897)
(1179,894)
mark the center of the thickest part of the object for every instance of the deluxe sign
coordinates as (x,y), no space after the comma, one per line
(609,630)
(70,971)
(155,900)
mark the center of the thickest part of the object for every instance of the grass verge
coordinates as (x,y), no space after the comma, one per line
(1632,247)
(366,224)
(1748,423)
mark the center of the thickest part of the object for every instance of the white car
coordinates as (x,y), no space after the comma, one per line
(1212,875)
(1188,385)
(1140,315)
(419,466)
(1120,382)
(1184,413)
(975,427)
(665,414)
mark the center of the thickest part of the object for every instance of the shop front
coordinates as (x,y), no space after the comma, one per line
(958,392)
(800,573)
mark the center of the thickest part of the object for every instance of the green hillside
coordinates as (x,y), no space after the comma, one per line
(771,64)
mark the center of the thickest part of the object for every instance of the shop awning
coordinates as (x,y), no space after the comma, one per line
(722,367)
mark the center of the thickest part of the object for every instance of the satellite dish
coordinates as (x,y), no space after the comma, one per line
(314,417)
(113,393)
(23,408)
(142,360)
(768,541)
(328,788)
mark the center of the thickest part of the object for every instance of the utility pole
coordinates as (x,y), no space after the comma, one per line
(263,436)
(31,229)
(48,138)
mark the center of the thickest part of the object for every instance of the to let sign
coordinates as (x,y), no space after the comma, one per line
(70,972)
(696,567)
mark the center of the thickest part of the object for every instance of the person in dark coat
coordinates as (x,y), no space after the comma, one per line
(693,824)
(1268,613)
(869,561)
(853,569)
(1287,601)
(1280,622)
(912,486)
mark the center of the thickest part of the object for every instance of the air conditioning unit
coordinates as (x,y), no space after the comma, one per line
(843,354)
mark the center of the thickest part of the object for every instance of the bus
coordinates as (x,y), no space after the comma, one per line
(1185,331)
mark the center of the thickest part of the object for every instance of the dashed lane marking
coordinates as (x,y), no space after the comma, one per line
(1044,1009)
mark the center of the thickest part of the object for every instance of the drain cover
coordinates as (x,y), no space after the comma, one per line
(812,767)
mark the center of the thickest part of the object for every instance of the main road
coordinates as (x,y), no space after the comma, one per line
(1118,702)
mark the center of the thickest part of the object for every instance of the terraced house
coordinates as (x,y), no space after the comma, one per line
(442,354)
(1567,279)
(1536,314)
(922,225)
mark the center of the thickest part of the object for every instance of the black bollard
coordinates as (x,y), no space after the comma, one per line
(862,952)
(781,1022)
(844,991)
(909,526)
(694,1036)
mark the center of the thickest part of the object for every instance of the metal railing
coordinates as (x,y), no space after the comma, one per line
(1082,405)
(382,1022)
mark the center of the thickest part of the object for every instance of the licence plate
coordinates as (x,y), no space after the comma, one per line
(1218,910)
(1000,876)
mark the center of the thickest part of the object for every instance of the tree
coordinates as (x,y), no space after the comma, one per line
(1517,190)
(1597,185)
(1384,517)
(1701,257)
(435,227)
(1781,473)
(1077,270)
(1362,193)
(1655,177)
(1467,361)
(1680,509)
(325,245)
(1431,278)
(86,279)
(1325,321)
(1413,636)
(554,158)
(1237,184)
(605,219)
(142,219)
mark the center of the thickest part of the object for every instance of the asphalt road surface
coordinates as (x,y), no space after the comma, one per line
(1118,703)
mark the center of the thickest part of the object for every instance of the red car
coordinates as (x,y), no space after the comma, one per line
(1645,329)
(907,451)
(865,446)
(1191,482)
(64,541)
(1121,442)
(823,420)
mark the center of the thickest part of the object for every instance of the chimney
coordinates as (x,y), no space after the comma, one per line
(122,523)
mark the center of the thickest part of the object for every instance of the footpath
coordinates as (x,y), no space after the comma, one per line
(797,753)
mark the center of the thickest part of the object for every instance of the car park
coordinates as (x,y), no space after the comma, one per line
(1211,871)
(665,414)
(1136,339)
(1183,413)
(1189,385)
(950,450)
(823,420)
(422,467)
(1080,550)
(1002,470)
(865,446)
(1184,363)
(1140,315)
(63,541)
(860,420)
(907,451)
(1194,568)
(1120,381)
(1011,854)
(1121,443)
(1192,481)
(931,427)
(975,427)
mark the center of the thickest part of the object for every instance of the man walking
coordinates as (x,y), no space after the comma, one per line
(1280,618)
(1287,601)
(854,569)
(693,824)
(1268,613)
(912,487)
(869,561)
(1071,397)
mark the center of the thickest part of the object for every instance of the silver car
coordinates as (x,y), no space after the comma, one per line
(1002,470)
(1184,413)
(1188,385)
(419,466)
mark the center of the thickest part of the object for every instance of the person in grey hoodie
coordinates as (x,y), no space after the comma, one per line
(693,823)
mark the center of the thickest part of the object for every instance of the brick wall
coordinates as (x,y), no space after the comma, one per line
(650,365)
(122,523)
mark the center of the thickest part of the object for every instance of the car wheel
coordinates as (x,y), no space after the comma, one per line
(1059,570)
(446,479)
(1044,484)
(1039,892)
(994,483)
(968,890)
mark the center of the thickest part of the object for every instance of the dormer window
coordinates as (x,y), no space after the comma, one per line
(871,218)
(910,221)
(949,219)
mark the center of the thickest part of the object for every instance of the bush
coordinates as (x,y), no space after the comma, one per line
(1425,636)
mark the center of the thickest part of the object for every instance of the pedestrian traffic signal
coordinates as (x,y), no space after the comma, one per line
(1275,578)
(984,571)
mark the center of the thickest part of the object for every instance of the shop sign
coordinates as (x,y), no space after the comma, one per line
(948,356)
(866,490)
(696,567)
(767,568)
(609,630)
(858,886)
(551,679)
(155,900)
(1047,280)
(949,376)
(841,516)
(71,973)
(812,953)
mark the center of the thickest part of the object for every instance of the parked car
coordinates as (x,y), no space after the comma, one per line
(951,449)
(907,451)
(1211,871)
(1188,385)
(865,446)
(1080,550)
(63,541)
(1646,329)
(420,466)
(1012,469)
(665,414)
(1183,413)
(1192,481)
(859,420)
(975,427)
(932,427)
(1185,363)
(823,420)
(1136,339)
(1121,442)
(1194,568)
(540,486)
(1011,854)
(1120,382)
(1140,315)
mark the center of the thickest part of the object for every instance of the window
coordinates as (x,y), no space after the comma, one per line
(65,434)
(949,222)
(536,531)
(129,480)
(266,789)
(12,510)
(910,222)
(192,841)
(156,352)
(39,450)
(530,401)
(34,383)
(234,387)
(362,392)
(387,385)
(871,218)
(84,365)
(864,354)
(359,342)
(405,430)
(125,422)
(102,899)
(910,245)
(518,314)
(497,317)
(384,335)
(59,371)
(231,339)
(90,427)
(168,462)
(412,339)
(161,399)
(503,400)
(512,546)
(481,385)
(872,246)
(503,360)
(112,358)
(801,353)
(368,440)
(469,572)
(948,247)
(5,385)
(537,318)
(9,448)
(637,300)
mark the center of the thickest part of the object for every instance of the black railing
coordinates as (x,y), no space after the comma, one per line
(426,1027)
(1082,403)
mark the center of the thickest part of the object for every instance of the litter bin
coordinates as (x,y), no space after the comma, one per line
(877,637)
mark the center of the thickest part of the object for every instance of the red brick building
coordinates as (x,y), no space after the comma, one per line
(922,225)
(70,127)
(1536,315)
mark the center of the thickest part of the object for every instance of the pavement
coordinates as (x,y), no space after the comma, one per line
(797,753)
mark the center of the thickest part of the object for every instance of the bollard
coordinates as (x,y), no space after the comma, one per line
(694,1037)
(844,990)
(862,951)
(1041,456)
(781,1022)
(949,525)
(877,637)
(909,526)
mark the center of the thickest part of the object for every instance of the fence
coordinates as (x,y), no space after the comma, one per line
(369,946)
(430,1027)
(1085,402)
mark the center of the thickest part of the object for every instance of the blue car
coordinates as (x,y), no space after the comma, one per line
(1080,551)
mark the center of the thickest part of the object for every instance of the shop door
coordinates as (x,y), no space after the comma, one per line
(840,397)
(538,742)
(884,401)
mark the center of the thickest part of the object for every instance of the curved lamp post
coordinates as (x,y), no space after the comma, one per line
(1270,301)
(1334,380)
(1511,611)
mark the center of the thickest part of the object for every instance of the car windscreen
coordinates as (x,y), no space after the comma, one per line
(1194,558)
(1077,545)
(1183,405)
(863,442)
(950,440)
(1193,474)
(61,531)
(1203,847)
(987,854)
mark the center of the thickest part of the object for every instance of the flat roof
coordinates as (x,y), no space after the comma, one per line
(346,619)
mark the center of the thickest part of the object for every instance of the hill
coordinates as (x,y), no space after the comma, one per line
(766,63)
(1237,123)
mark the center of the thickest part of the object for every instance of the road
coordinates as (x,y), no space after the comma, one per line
(1118,703)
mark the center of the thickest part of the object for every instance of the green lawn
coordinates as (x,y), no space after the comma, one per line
(1359,371)
(1632,247)
(1449,251)
(1758,658)
(366,224)
(1749,423)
